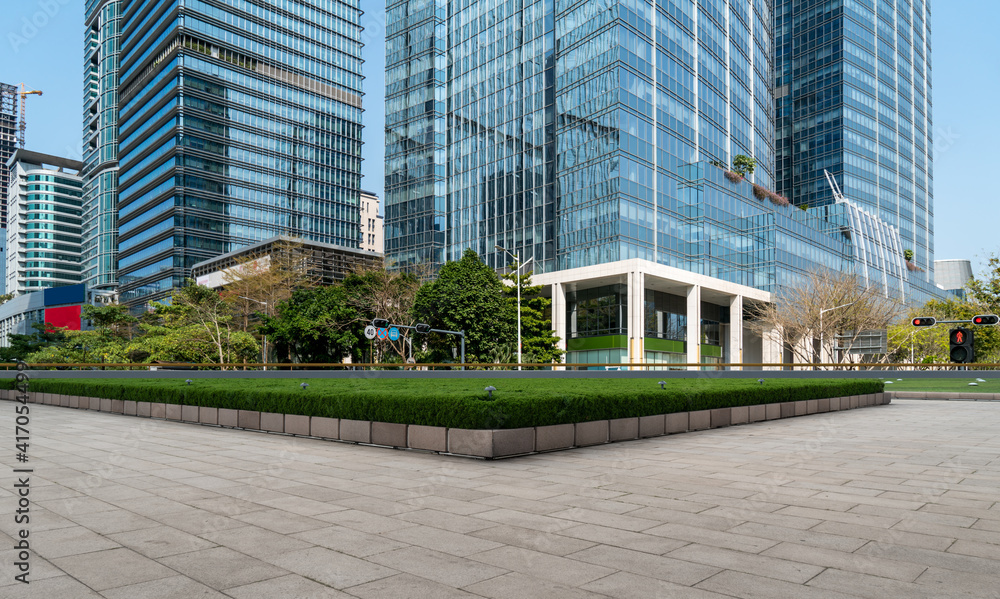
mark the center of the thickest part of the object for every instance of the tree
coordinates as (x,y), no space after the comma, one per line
(378,293)
(538,341)
(469,296)
(744,165)
(258,283)
(908,255)
(825,305)
(207,312)
(316,325)
(6,298)
(113,320)
(23,346)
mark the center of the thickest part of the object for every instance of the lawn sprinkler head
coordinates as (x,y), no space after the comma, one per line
(303,385)
(761,381)
(888,382)
(661,384)
(188,381)
(490,390)
(973,384)
(980,380)
(899,379)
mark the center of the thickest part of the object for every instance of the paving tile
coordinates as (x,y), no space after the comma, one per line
(518,586)
(749,563)
(440,567)
(892,536)
(446,521)
(874,587)
(102,570)
(160,541)
(73,540)
(291,586)
(813,538)
(515,536)
(173,587)
(568,572)
(441,540)
(222,568)
(255,541)
(50,588)
(625,585)
(952,582)
(748,586)
(853,562)
(281,521)
(622,538)
(714,538)
(404,586)
(654,566)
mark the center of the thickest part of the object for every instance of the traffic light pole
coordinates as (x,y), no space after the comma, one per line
(430,330)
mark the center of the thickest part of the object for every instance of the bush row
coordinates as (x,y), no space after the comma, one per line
(461,404)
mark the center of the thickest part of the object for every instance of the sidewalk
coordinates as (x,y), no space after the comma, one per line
(892,501)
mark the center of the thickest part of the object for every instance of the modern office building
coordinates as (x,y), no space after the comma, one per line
(44,207)
(853,97)
(953,275)
(100,143)
(372,238)
(555,129)
(237,122)
(594,138)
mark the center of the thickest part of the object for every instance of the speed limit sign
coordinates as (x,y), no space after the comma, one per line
(369,332)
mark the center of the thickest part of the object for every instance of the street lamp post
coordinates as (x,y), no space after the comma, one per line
(517,282)
(821,312)
(265,336)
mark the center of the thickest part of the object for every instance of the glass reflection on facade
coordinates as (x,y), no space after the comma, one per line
(853,95)
(555,129)
(236,124)
(100,143)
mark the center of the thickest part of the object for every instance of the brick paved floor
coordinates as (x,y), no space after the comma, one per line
(894,501)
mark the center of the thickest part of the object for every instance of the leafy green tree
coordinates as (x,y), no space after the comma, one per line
(23,346)
(316,325)
(539,343)
(908,255)
(467,295)
(744,165)
(209,317)
(113,320)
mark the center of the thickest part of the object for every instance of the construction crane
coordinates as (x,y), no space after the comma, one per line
(23,126)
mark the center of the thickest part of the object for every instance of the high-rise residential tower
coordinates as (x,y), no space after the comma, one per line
(237,122)
(44,200)
(100,143)
(556,128)
(853,98)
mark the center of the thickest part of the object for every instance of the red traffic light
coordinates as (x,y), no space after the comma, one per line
(986,319)
(924,321)
(962,345)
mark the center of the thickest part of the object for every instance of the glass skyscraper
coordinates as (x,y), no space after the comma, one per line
(236,123)
(556,128)
(853,98)
(100,143)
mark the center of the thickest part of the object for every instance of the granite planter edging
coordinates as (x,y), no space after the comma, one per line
(486,443)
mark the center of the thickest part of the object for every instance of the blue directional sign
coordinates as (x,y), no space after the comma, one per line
(393,334)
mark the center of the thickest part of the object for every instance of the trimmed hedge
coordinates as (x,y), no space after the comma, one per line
(462,403)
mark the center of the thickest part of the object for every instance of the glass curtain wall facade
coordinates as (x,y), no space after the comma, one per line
(100,143)
(238,121)
(853,96)
(8,141)
(556,128)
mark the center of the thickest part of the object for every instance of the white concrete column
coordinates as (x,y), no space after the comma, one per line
(736,330)
(559,317)
(636,316)
(694,325)
(771,349)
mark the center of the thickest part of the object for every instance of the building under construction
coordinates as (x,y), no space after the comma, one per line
(8,142)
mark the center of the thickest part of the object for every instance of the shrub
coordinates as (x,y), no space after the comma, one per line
(733,177)
(461,403)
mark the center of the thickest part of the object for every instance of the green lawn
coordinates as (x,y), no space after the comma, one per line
(944,385)
(462,403)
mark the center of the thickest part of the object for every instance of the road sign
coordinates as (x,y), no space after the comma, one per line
(393,334)
(382,333)
(370,332)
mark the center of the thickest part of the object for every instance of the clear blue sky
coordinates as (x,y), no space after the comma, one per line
(966,79)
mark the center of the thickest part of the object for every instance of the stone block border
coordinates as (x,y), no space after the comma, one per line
(488,444)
